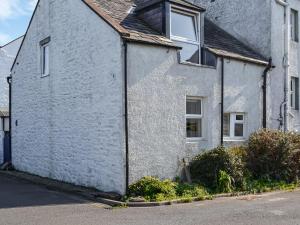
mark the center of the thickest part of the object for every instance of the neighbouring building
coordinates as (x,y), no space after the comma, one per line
(106,92)
(8,53)
(271,27)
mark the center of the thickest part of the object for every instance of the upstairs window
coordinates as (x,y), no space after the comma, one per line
(294,93)
(185,32)
(45,57)
(294,25)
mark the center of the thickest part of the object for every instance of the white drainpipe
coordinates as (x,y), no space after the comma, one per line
(285,4)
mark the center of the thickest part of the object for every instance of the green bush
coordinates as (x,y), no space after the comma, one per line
(152,188)
(272,155)
(205,167)
(224,182)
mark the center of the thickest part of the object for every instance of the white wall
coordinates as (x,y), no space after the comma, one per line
(1,141)
(70,124)
(157,105)
(7,56)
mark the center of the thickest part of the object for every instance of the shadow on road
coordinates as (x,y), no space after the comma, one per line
(18,193)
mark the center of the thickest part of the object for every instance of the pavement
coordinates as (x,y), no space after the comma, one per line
(23,203)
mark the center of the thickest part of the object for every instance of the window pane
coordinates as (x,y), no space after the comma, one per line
(193,128)
(193,106)
(294,25)
(45,63)
(239,130)
(226,128)
(239,117)
(189,52)
(208,58)
(183,26)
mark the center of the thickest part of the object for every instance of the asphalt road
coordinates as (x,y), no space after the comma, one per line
(22,203)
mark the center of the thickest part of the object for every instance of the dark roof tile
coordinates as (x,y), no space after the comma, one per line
(117,14)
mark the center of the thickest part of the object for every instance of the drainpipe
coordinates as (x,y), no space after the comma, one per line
(126,114)
(222,101)
(265,78)
(9,80)
(284,104)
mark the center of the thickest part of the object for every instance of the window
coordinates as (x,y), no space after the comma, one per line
(45,56)
(194,117)
(294,93)
(4,124)
(208,58)
(294,25)
(234,125)
(185,32)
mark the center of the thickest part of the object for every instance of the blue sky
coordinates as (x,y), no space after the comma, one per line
(14,18)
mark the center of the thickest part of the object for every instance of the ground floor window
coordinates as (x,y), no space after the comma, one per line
(234,125)
(194,117)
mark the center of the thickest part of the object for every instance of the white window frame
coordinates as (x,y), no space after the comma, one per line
(194,116)
(232,123)
(45,71)
(294,25)
(197,20)
(293,93)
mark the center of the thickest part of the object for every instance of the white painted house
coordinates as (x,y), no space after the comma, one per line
(106,92)
(8,53)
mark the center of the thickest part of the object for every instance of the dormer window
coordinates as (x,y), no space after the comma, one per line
(185,31)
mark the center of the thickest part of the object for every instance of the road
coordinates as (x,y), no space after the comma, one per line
(22,203)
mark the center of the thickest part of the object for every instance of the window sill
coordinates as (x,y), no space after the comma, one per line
(194,140)
(45,75)
(197,65)
(234,139)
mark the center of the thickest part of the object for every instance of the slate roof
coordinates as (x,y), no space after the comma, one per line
(222,43)
(117,14)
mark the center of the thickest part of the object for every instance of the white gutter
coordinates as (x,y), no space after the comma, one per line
(285,4)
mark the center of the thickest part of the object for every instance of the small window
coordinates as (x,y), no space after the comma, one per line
(208,58)
(45,58)
(234,125)
(185,32)
(294,25)
(194,117)
(294,93)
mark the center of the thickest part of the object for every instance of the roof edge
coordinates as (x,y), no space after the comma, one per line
(108,19)
(12,41)
(236,56)
(133,40)
(24,36)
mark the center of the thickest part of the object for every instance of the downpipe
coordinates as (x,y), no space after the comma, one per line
(284,109)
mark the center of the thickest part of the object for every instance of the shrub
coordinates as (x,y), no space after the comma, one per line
(191,190)
(224,182)
(271,155)
(152,188)
(205,167)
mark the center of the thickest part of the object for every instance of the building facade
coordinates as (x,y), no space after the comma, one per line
(136,96)
(271,27)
